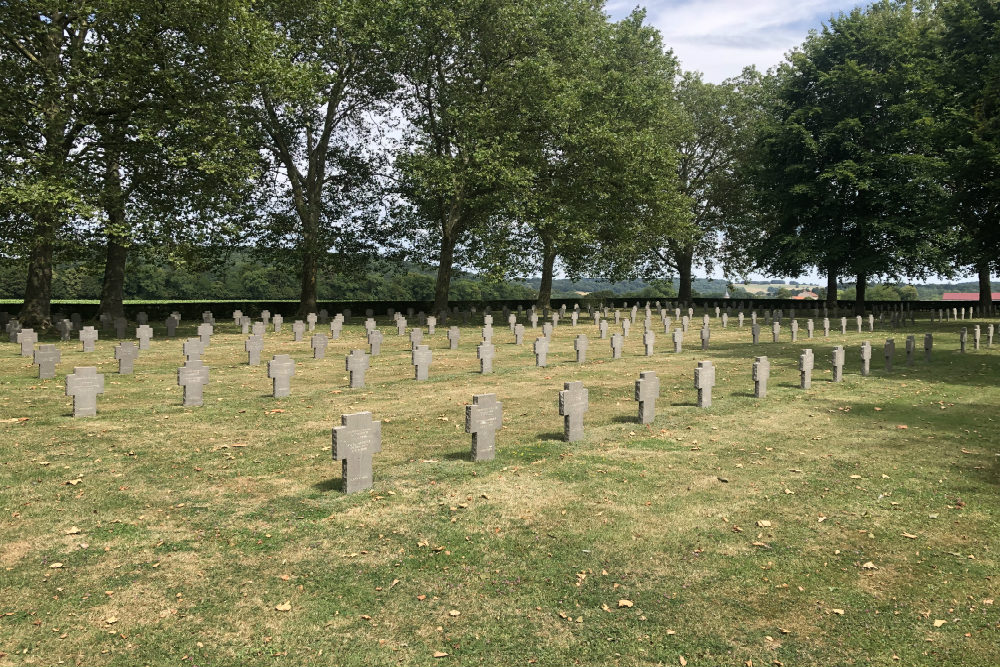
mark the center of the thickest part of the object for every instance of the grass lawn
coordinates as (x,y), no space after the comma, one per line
(854,523)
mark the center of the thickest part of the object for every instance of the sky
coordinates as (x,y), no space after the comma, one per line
(721,37)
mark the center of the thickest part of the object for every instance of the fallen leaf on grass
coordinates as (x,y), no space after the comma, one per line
(285,606)
(454,612)
(764,523)
(838,612)
(910,536)
(683,661)
(73,531)
(869,566)
(939,622)
(15,420)
(56,566)
(902,426)
(440,654)
(625,603)
(72,482)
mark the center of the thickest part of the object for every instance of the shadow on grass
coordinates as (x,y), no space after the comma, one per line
(743,394)
(625,419)
(458,456)
(333,484)
(552,435)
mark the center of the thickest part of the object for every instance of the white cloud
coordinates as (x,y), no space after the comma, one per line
(721,37)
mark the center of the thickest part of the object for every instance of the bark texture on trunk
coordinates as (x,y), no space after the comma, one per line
(859,298)
(985,289)
(548,265)
(113,288)
(36,313)
(685,259)
(307,294)
(831,288)
(443,282)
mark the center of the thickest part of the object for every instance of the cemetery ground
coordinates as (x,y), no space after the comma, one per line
(852,523)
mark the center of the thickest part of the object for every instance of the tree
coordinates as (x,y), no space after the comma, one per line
(323,78)
(602,146)
(711,119)
(846,179)
(461,165)
(970,136)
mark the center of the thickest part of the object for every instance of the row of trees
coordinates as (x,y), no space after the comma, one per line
(504,136)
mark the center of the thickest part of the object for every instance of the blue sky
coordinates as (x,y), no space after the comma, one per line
(720,37)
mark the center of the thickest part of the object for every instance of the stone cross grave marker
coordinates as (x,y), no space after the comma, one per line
(685,321)
(647,390)
(401,326)
(84,384)
(144,333)
(142,317)
(336,327)
(547,330)
(976,337)
(511,321)
(257,329)
(311,321)
(725,320)
(837,358)
(616,346)
(453,336)
(357,363)
(755,333)
(46,357)
(65,328)
(990,329)
(375,342)
(27,338)
(963,336)
(533,318)
(794,328)
(431,325)
(298,330)
(276,322)
(928,346)
(761,374)
(208,317)
(485,352)
(483,418)
(120,325)
(541,348)
(666,325)
(574,401)
(890,352)
(826,327)
(245,323)
(739,319)
(324,315)
(487,332)
(706,336)
(776,331)
(253,346)
(319,343)
(171,324)
(555,320)
(193,376)
(806,364)
(911,346)
(488,319)
(205,332)
(416,337)
(421,357)
(574,317)
(859,322)
(370,324)
(866,358)
(603,328)
(871,323)
(193,348)
(280,369)
(126,353)
(843,325)
(265,316)
(580,344)
(704,380)
(705,320)
(518,334)
(678,338)
(237,317)
(88,335)
(648,341)
(355,441)
(810,329)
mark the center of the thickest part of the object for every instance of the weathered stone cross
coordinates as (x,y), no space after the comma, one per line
(541,349)
(84,384)
(280,369)
(88,335)
(421,357)
(761,374)
(482,419)
(580,344)
(573,403)
(647,390)
(253,345)
(704,380)
(485,352)
(193,376)
(144,333)
(354,443)
(126,353)
(46,357)
(357,363)
(806,365)
(375,342)
(319,343)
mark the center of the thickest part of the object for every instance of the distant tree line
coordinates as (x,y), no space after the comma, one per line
(312,144)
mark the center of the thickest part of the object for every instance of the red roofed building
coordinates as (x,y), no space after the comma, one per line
(966,296)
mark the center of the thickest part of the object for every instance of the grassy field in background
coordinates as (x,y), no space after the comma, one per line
(854,523)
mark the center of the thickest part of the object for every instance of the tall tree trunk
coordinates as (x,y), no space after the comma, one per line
(685,259)
(113,289)
(985,288)
(310,257)
(831,288)
(443,283)
(36,312)
(548,265)
(859,298)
